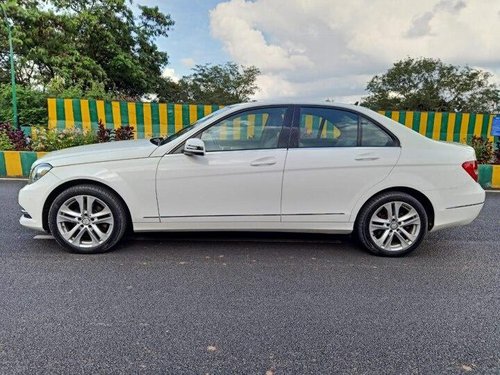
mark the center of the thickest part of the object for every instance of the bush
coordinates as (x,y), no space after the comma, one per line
(53,139)
(17,139)
(5,143)
(123,133)
(483,148)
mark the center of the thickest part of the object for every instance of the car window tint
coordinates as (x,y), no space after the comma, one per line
(250,130)
(373,136)
(327,127)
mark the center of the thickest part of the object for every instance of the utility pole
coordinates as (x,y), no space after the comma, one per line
(8,22)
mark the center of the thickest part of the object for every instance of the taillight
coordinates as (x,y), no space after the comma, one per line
(471,168)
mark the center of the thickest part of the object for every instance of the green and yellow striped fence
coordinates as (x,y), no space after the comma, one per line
(17,163)
(445,126)
(148,119)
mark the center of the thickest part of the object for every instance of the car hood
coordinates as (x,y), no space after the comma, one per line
(99,152)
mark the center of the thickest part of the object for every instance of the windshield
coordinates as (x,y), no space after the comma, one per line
(195,124)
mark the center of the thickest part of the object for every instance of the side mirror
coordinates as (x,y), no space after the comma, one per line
(194,146)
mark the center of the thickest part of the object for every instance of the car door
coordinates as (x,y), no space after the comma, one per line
(238,179)
(335,155)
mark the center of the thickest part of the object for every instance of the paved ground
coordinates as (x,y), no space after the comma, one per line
(250,304)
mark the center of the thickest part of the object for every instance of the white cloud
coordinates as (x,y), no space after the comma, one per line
(170,73)
(331,48)
(188,62)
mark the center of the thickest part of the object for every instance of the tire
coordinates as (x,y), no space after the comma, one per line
(87,219)
(392,224)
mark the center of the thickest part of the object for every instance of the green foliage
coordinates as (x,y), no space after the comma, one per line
(17,138)
(222,84)
(5,143)
(31,105)
(81,42)
(427,84)
(53,139)
(484,149)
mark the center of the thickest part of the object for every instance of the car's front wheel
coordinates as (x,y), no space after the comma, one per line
(87,219)
(392,224)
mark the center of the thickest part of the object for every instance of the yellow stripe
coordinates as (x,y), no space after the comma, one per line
(423,122)
(449,129)
(207,109)
(68,113)
(13,163)
(178,117)
(237,128)
(193,115)
(148,122)
(162,108)
(436,131)
(463,127)
(132,117)
(52,112)
(309,124)
(495,177)
(251,126)
(395,116)
(41,154)
(117,117)
(478,125)
(86,124)
(101,114)
(490,137)
(381,112)
(409,119)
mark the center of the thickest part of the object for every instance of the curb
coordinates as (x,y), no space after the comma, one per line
(18,164)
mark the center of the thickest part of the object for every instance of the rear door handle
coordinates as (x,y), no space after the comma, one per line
(268,160)
(367,158)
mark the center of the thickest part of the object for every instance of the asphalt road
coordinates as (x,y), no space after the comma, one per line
(255,304)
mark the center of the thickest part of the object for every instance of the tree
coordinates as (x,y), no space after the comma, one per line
(427,84)
(224,84)
(81,42)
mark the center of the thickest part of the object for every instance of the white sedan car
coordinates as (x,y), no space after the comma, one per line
(282,167)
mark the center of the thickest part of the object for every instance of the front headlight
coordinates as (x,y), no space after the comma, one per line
(38,172)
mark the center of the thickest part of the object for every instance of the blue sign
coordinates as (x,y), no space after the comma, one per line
(495,126)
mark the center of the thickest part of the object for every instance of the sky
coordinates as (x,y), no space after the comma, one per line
(318,49)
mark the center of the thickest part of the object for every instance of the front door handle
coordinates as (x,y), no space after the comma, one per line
(268,160)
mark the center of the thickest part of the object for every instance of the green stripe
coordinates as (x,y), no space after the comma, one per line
(244,127)
(94,119)
(77,113)
(3,168)
(155,118)
(170,119)
(215,107)
(200,113)
(27,159)
(60,116)
(444,127)
(402,117)
(139,114)
(185,115)
(108,114)
(485,175)
(456,129)
(470,127)
(484,126)
(430,124)
(416,121)
(124,113)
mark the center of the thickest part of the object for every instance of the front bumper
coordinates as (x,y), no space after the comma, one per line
(32,198)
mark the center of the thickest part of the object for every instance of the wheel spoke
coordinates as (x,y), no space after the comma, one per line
(390,213)
(397,207)
(409,236)
(403,241)
(88,228)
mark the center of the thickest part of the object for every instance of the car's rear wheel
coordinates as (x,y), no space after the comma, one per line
(392,224)
(87,219)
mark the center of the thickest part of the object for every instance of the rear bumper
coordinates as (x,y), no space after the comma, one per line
(456,207)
